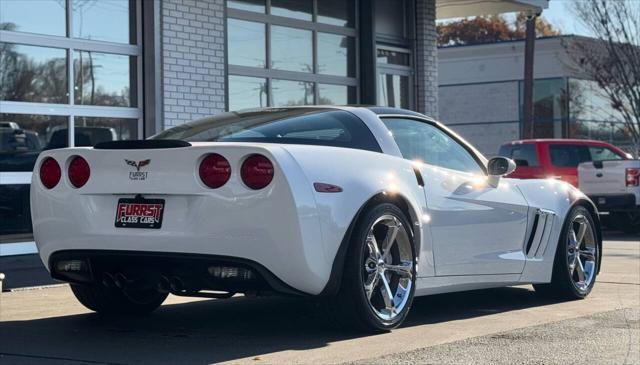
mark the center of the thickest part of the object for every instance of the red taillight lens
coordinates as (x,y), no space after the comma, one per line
(79,172)
(215,171)
(633,177)
(50,173)
(256,172)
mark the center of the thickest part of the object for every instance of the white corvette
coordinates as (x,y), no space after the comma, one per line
(365,207)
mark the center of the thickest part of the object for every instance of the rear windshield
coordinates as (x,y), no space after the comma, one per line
(310,126)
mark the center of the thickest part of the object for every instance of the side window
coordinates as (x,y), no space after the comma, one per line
(524,155)
(567,155)
(425,142)
(603,153)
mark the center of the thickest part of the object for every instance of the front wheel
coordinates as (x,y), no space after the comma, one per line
(576,261)
(379,276)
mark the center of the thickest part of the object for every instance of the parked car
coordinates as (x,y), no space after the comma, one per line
(614,186)
(360,207)
(557,158)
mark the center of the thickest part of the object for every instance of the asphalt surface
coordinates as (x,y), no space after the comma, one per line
(506,325)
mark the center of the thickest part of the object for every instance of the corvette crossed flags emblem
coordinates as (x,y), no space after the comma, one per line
(138,165)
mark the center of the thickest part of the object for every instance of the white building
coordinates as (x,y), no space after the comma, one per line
(480,94)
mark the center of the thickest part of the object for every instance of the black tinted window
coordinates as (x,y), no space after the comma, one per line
(568,155)
(324,127)
(522,155)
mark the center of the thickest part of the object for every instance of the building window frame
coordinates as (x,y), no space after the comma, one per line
(71,110)
(270,74)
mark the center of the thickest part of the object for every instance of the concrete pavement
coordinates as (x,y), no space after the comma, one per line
(49,326)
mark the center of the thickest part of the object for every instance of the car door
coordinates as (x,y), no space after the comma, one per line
(475,228)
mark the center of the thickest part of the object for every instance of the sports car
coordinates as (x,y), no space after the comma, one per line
(362,207)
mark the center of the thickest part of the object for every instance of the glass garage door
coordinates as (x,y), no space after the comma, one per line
(69,76)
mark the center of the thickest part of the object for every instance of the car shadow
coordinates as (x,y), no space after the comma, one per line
(212,331)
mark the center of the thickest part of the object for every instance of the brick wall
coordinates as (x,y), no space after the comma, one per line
(426,58)
(193,66)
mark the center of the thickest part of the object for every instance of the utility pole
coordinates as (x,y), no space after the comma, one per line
(527,106)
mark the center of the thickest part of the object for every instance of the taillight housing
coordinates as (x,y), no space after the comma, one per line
(50,173)
(214,171)
(256,172)
(79,172)
(632,176)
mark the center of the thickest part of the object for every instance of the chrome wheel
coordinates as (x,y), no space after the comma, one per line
(388,267)
(581,253)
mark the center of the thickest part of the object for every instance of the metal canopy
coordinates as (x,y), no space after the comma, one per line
(463,8)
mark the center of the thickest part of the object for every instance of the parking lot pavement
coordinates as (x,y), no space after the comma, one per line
(509,325)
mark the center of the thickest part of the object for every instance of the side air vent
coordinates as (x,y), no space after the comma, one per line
(142,144)
(540,233)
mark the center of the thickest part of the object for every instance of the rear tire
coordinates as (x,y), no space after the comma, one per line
(363,302)
(114,301)
(576,262)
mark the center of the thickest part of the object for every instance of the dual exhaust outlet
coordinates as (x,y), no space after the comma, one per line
(164,285)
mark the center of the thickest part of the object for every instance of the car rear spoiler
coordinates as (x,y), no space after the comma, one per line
(141,144)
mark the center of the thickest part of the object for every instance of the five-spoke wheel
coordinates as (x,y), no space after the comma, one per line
(379,275)
(576,261)
(388,267)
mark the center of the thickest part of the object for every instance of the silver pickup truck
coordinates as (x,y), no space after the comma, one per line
(614,186)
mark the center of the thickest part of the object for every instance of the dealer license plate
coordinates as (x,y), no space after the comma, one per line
(139,213)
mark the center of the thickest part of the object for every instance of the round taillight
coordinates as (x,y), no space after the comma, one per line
(50,173)
(215,171)
(79,172)
(256,172)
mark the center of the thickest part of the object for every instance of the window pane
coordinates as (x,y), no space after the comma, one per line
(34,16)
(23,136)
(291,49)
(249,5)
(390,17)
(105,79)
(568,155)
(393,91)
(104,20)
(336,94)
(524,155)
(291,92)
(336,55)
(337,12)
(393,57)
(246,43)
(36,74)
(90,131)
(424,142)
(310,126)
(298,9)
(603,154)
(247,92)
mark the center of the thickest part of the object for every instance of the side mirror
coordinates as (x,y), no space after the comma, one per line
(499,166)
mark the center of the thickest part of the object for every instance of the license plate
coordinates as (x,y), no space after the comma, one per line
(602,200)
(139,213)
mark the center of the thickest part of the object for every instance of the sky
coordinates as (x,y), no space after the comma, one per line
(560,15)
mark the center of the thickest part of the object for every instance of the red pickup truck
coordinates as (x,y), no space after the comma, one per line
(557,158)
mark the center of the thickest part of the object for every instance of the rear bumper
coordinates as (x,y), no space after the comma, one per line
(615,202)
(197,272)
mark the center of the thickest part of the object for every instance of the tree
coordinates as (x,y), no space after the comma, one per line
(613,58)
(489,29)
